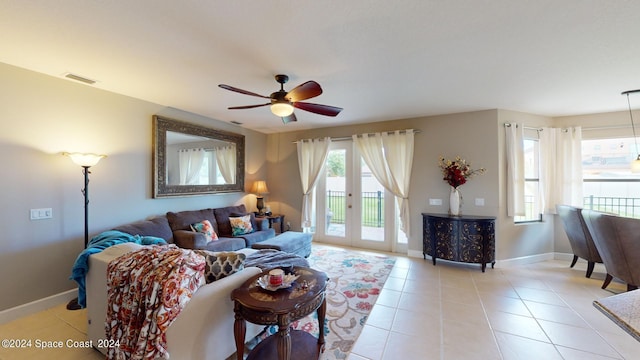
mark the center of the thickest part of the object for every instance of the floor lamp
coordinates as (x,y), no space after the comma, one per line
(86,161)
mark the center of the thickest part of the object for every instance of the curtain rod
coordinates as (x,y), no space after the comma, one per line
(606,127)
(343,138)
(526,127)
(584,128)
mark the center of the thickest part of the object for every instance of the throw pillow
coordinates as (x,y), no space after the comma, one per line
(221,264)
(241,225)
(206,228)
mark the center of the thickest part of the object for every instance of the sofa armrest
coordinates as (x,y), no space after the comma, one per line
(204,328)
(189,239)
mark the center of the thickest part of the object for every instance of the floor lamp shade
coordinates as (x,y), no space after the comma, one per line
(85,159)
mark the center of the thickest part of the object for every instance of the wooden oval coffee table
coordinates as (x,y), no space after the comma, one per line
(281,307)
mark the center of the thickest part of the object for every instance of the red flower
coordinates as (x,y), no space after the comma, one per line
(456,172)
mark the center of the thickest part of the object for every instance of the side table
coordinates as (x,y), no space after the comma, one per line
(274,219)
(281,307)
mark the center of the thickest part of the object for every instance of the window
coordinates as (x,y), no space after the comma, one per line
(533,211)
(210,172)
(608,184)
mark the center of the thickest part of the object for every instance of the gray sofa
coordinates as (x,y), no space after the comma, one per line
(175,228)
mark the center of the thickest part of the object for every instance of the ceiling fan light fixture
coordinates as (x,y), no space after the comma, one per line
(281,109)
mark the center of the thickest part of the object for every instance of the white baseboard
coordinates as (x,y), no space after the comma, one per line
(414,253)
(36,306)
(563,256)
(525,260)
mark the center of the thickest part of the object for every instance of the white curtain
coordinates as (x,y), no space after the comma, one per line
(514,141)
(390,159)
(226,160)
(312,156)
(190,163)
(561,167)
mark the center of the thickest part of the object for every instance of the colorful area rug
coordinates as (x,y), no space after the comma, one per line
(355,281)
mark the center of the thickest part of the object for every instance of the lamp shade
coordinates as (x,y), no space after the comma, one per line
(259,187)
(84,159)
(282,109)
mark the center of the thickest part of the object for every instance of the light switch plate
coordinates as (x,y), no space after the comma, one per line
(39,214)
(435,201)
(479,201)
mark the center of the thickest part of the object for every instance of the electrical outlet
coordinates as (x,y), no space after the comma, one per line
(435,201)
(39,214)
(479,201)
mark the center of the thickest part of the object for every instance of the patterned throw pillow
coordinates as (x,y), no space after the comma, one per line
(205,227)
(221,264)
(241,225)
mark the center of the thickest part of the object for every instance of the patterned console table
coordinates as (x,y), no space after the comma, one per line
(469,239)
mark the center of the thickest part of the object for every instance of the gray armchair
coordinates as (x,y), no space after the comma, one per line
(618,241)
(580,239)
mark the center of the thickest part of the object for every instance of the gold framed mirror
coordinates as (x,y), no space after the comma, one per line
(191,159)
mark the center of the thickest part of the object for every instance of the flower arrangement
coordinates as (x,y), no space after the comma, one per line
(457,171)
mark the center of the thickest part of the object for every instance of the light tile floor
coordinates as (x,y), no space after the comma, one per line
(454,311)
(448,311)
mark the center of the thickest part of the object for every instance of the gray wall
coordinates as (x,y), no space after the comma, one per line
(42,116)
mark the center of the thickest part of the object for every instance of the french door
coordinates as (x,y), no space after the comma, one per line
(352,207)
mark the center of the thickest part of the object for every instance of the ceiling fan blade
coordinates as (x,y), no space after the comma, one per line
(290,118)
(304,91)
(318,109)
(231,88)
(248,106)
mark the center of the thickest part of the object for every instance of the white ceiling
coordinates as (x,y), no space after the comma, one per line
(379,60)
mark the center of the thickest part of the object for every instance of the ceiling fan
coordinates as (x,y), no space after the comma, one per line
(283,102)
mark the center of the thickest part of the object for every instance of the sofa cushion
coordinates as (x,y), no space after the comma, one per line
(258,236)
(205,228)
(222,218)
(241,225)
(157,226)
(182,220)
(225,244)
(221,264)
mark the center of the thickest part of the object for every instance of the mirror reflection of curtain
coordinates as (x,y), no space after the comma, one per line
(312,157)
(190,162)
(390,158)
(226,158)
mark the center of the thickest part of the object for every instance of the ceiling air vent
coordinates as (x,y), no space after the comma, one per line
(79,78)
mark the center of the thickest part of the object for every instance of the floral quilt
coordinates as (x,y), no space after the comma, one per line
(147,289)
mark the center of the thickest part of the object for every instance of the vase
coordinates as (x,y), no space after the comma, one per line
(455,202)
